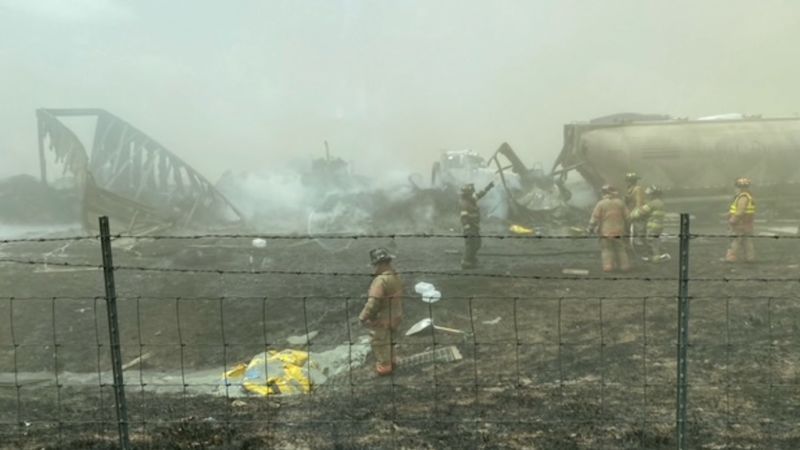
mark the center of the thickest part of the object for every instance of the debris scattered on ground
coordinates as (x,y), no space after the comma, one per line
(428,292)
(138,360)
(494,321)
(575,272)
(520,230)
(426,323)
(302,339)
(290,372)
(450,353)
(285,372)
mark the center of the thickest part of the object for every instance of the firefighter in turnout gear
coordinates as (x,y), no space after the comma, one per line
(741,216)
(383,311)
(652,213)
(471,223)
(608,221)
(634,198)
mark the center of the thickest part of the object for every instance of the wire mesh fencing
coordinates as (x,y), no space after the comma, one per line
(537,347)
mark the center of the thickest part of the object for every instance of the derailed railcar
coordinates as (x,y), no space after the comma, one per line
(694,161)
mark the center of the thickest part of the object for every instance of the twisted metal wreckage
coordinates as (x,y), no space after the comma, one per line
(128,176)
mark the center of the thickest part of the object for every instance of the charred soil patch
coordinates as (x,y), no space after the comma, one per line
(552,361)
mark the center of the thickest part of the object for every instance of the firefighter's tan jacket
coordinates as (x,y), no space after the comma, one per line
(384,308)
(609,217)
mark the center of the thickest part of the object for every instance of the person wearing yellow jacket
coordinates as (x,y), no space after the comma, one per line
(652,213)
(634,198)
(741,219)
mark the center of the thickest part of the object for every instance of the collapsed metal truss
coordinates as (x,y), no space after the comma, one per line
(129,175)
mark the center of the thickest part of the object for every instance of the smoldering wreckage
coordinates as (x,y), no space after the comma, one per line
(146,189)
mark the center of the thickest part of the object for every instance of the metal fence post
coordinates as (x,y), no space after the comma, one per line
(683,334)
(113,332)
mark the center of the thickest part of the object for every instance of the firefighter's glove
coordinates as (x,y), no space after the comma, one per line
(366,320)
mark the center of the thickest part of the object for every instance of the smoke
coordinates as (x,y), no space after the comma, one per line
(324,203)
(389,84)
(265,196)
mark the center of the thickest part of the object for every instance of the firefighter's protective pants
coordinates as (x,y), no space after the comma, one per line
(472,243)
(654,243)
(741,249)
(614,254)
(382,346)
(638,229)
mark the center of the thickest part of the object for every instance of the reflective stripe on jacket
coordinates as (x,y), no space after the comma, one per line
(750,208)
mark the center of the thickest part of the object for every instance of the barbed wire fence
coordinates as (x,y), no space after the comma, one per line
(593,370)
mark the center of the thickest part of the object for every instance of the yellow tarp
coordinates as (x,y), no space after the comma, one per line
(519,229)
(274,373)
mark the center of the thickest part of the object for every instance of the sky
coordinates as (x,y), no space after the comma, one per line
(260,84)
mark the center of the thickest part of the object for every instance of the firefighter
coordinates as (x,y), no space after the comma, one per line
(652,213)
(471,223)
(383,311)
(741,216)
(634,198)
(608,221)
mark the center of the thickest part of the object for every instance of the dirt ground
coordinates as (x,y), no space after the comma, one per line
(574,361)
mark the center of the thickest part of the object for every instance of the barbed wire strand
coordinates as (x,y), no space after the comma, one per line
(483,298)
(51,239)
(452,274)
(365,236)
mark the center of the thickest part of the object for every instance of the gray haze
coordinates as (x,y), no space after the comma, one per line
(257,83)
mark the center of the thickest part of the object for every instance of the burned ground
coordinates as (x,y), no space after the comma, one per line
(573,362)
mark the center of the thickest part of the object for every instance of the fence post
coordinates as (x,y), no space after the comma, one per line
(683,334)
(113,332)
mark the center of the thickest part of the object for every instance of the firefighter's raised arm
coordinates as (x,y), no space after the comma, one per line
(485,190)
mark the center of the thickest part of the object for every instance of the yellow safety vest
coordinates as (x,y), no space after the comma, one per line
(751,204)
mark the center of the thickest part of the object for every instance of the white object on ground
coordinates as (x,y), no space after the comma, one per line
(440,355)
(427,323)
(432,296)
(422,287)
(138,360)
(494,321)
(259,243)
(428,292)
(302,339)
(575,272)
